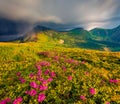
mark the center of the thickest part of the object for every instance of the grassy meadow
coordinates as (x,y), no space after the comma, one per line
(48,73)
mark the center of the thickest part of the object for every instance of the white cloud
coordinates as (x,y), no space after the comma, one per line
(87,13)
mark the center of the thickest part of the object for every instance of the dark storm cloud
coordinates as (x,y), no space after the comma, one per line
(84,13)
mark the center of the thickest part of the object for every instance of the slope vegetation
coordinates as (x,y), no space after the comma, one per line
(46,72)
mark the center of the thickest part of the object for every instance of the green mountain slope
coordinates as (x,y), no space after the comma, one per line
(99,39)
(112,35)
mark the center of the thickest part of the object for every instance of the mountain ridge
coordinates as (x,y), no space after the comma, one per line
(97,38)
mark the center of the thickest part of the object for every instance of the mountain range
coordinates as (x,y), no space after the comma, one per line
(98,38)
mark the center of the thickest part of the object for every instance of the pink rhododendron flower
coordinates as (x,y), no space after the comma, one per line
(92,91)
(116,81)
(113,81)
(56,58)
(22,80)
(76,62)
(82,97)
(43,87)
(86,73)
(31,92)
(5,101)
(69,78)
(44,63)
(39,73)
(8,100)
(70,61)
(50,79)
(17,100)
(38,67)
(31,75)
(47,72)
(18,74)
(64,68)
(107,102)
(44,82)
(34,85)
(53,74)
(41,97)
(40,79)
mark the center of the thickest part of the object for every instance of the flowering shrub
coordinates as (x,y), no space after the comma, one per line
(69,77)
(63,78)
(82,97)
(17,100)
(31,92)
(92,91)
(41,97)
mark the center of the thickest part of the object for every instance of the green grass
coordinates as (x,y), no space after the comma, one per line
(78,39)
(22,57)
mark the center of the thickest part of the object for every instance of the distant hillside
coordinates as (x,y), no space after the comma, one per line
(116,35)
(98,38)
(112,35)
(77,37)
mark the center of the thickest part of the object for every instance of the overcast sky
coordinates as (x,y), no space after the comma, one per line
(84,13)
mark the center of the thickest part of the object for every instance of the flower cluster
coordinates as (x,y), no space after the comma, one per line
(92,91)
(40,84)
(61,79)
(114,81)
(17,100)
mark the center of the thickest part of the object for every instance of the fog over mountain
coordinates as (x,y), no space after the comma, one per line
(17,17)
(66,13)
